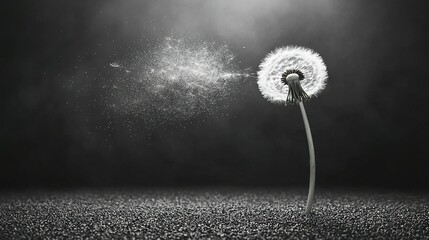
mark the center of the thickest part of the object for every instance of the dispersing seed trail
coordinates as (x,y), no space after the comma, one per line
(177,79)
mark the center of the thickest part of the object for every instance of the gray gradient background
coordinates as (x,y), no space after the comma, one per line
(369,125)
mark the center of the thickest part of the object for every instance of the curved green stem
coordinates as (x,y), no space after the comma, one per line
(312,182)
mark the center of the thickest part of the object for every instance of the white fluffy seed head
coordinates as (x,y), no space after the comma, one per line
(278,61)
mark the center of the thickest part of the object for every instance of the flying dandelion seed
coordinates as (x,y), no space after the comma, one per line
(115,65)
(291,75)
(119,66)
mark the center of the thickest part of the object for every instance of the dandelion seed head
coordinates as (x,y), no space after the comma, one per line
(301,62)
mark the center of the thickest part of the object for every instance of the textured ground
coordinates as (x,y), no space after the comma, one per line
(176,214)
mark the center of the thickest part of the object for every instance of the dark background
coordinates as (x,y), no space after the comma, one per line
(369,125)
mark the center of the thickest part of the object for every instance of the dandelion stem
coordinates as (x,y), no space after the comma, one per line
(312,182)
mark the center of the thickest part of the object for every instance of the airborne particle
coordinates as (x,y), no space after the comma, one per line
(115,65)
(291,75)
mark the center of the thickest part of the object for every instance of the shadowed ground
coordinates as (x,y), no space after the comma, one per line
(178,214)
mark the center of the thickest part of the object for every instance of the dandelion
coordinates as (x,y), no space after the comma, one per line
(292,75)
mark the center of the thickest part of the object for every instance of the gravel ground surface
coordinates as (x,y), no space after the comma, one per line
(196,214)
